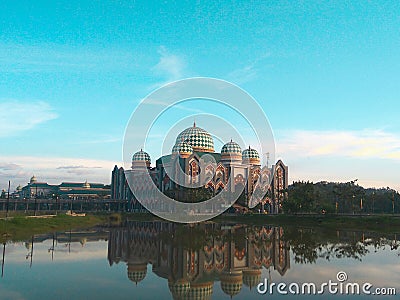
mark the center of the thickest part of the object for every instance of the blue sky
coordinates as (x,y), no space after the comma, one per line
(326,73)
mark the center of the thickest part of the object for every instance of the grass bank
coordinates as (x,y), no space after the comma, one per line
(377,223)
(21,227)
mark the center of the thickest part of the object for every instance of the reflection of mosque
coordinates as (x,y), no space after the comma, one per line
(231,254)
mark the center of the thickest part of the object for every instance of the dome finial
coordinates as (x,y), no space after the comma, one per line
(194,122)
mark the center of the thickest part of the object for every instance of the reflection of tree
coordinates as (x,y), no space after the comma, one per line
(308,245)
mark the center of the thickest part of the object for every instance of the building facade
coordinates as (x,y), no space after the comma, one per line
(194,162)
(65,190)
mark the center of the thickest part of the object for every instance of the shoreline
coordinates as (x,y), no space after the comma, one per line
(23,227)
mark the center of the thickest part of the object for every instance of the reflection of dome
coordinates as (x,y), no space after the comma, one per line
(231,283)
(28,245)
(141,158)
(232,151)
(252,277)
(137,272)
(33,179)
(183,149)
(86,185)
(251,156)
(83,241)
(198,138)
(179,288)
(199,291)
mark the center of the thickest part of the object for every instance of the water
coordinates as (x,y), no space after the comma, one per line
(161,260)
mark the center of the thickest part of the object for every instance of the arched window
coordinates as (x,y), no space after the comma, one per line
(194,171)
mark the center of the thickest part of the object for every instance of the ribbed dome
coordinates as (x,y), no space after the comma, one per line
(141,156)
(182,148)
(231,147)
(198,138)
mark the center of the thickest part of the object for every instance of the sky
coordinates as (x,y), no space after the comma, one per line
(326,75)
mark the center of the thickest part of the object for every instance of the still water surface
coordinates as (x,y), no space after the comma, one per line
(161,260)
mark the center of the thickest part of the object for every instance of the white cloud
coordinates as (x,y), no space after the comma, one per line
(372,156)
(17,116)
(54,170)
(355,144)
(170,66)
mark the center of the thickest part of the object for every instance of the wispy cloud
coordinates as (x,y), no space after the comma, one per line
(15,58)
(76,167)
(170,66)
(17,116)
(248,72)
(243,75)
(8,166)
(180,106)
(354,144)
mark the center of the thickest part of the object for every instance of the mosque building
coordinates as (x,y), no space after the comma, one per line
(65,190)
(194,152)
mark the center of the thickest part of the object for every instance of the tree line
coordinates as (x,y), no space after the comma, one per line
(344,198)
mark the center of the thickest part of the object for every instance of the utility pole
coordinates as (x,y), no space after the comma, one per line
(8,198)
(35,200)
(3,261)
(393,202)
(30,265)
(373,202)
(267,154)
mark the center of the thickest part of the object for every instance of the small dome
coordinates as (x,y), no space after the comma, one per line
(86,185)
(182,148)
(179,288)
(251,277)
(33,179)
(19,188)
(137,273)
(231,283)
(198,138)
(250,153)
(141,156)
(251,156)
(199,291)
(231,147)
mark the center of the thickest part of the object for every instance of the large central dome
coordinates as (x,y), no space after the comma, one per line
(198,138)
